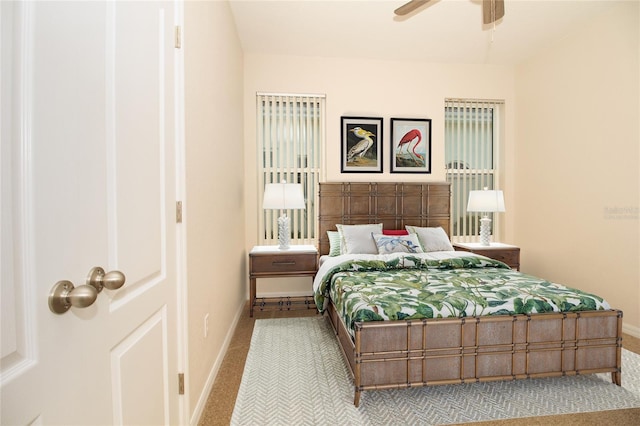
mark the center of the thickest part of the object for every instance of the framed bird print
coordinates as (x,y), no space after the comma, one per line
(410,145)
(361,150)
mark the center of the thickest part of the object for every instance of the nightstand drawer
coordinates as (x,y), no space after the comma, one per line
(503,252)
(283,263)
(510,257)
(271,262)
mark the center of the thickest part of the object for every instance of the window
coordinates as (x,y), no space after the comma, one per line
(290,134)
(471,158)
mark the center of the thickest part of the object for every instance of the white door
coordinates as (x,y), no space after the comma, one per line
(88,179)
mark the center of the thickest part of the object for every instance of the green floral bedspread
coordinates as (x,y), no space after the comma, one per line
(403,287)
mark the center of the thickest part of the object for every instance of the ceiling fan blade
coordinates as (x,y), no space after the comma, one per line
(407,8)
(492,10)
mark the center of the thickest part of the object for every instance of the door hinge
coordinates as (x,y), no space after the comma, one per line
(178,211)
(178,37)
(180,383)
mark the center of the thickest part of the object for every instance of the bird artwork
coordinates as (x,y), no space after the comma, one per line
(361,147)
(411,138)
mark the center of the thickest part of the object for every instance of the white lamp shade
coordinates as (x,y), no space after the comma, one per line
(283,196)
(485,201)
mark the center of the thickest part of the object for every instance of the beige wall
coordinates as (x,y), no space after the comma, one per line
(376,89)
(577,161)
(214,204)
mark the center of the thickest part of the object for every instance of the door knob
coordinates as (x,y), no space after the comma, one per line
(99,279)
(64,295)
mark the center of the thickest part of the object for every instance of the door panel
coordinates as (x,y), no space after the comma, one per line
(91,183)
(137,55)
(20,362)
(139,401)
(140,131)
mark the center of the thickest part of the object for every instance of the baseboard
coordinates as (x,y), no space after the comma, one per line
(202,400)
(285,294)
(631,330)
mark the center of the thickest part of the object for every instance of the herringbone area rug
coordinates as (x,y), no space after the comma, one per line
(295,374)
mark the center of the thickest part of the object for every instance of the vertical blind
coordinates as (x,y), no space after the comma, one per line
(471,157)
(290,135)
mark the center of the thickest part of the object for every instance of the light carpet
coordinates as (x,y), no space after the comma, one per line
(295,374)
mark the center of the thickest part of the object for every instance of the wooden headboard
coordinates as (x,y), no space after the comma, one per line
(394,204)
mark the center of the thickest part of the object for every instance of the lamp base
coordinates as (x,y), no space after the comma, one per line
(284,237)
(485,231)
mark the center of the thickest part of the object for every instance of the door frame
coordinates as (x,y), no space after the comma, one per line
(181,229)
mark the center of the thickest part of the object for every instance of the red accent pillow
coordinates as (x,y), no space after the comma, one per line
(395,232)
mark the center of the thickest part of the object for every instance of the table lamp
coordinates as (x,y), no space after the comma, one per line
(485,201)
(283,196)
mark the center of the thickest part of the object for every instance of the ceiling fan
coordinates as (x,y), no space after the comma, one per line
(492,10)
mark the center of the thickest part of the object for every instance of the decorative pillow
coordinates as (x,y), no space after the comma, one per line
(397,243)
(334,243)
(431,239)
(395,232)
(357,239)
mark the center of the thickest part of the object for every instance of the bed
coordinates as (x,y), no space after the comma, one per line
(448,340)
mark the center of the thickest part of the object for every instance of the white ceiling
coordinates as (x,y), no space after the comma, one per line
(446,31)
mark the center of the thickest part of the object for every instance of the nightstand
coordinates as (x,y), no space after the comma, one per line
(271,262)
(503,252)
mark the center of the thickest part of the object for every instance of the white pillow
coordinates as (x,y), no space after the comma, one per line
(397,243)
(358,239)
(431,239)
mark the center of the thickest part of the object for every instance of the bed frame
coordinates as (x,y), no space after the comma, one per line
(403,354)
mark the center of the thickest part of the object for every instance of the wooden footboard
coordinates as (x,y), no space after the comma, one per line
(403,354)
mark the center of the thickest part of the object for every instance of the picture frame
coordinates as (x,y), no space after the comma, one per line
(361,144)
(410,145)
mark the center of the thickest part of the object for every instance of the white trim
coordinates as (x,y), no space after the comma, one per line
(182,306)
(297,95)
(213,373)
(631,330)
(464,100)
